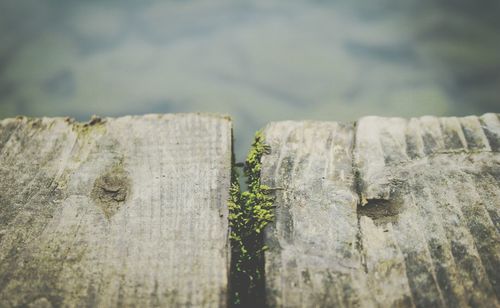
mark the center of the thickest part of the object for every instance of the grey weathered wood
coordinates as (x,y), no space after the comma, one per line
(423,232)
(313,259)
(117,212)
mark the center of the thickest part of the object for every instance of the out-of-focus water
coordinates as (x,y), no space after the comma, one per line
(260,61)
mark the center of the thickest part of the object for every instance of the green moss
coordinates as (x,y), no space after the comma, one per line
(96,124)
(250,212)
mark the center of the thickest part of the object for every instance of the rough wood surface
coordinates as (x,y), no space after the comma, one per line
(117,212)
(312,259)
(384,212)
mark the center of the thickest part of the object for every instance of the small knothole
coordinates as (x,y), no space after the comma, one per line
(111,189)
(381,211)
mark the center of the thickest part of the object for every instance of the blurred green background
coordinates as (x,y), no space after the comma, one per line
(259,61)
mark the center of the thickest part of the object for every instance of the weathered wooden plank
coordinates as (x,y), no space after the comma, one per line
(444,219)
(313,259)
(117,212)
(425,231)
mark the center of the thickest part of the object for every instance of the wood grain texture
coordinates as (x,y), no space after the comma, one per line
(115,213)
(387,212)
(313,259)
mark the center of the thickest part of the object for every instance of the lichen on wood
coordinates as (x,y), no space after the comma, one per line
(115,212)
(387,212)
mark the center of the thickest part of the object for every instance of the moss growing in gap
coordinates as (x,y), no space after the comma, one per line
(249,213)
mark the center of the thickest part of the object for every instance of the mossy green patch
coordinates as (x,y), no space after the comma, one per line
(96,124)
(249,213)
